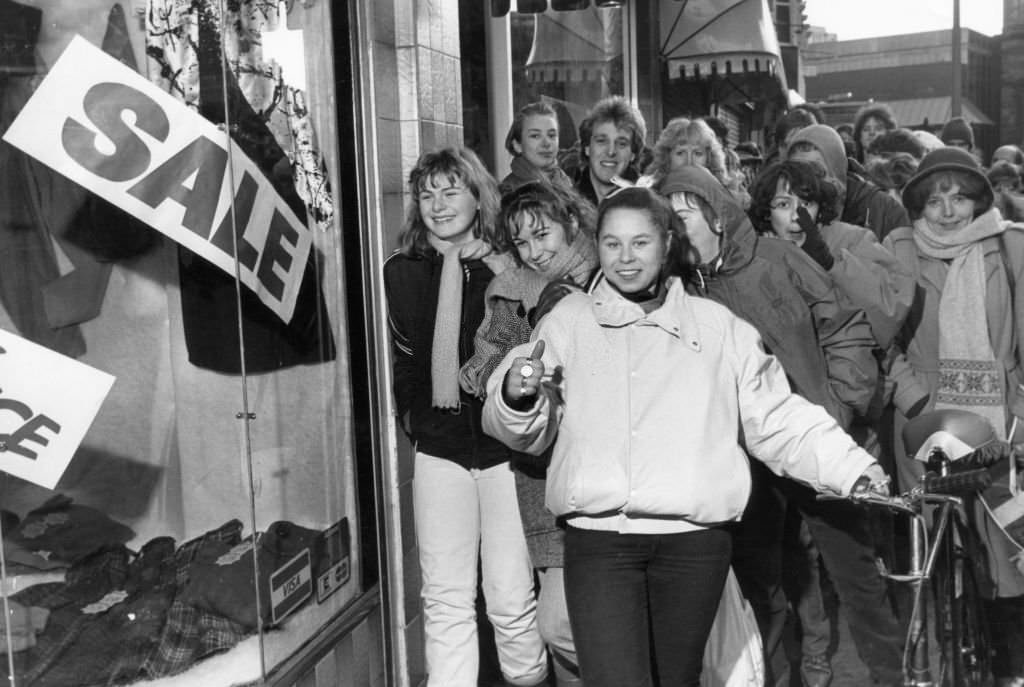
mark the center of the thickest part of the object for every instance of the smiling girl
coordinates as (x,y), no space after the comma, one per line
(551,234)
(464,500)
(643,390)
(961,346)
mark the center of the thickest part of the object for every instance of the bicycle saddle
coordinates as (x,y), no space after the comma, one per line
(956,433)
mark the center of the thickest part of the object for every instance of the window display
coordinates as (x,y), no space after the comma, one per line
(569,60)
(201,532)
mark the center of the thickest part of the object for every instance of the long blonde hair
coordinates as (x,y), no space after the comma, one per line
(694,131)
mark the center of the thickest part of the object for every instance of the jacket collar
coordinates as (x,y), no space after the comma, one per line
(674,316)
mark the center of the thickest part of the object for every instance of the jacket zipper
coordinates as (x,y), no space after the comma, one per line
(464,355)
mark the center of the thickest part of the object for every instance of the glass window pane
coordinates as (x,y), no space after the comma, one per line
(568,59)
(167,220)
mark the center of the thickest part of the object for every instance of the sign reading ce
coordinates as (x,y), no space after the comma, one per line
(47,404)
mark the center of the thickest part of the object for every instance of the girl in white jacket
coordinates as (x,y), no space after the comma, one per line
(653,399)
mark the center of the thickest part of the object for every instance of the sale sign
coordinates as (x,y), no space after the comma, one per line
(104,126)
(47,403)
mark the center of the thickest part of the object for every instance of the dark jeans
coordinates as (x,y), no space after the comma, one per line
(842,533)
(641,605)
(757,562)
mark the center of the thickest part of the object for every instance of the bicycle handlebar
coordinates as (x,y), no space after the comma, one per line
(965,482)
(933,488)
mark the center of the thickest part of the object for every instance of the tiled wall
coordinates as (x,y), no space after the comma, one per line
(418,87)
(419,107)
(356,661)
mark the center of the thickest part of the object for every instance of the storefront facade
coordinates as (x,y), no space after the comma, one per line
(197,200)
(189,446)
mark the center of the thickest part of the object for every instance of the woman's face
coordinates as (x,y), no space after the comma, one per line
(448,209)
(539,241)
(783,213)
(631,249)
(538,143)
(948,211)
(704,242)
(872,129)
(688,155)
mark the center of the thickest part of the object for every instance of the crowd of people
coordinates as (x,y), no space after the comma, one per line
(627,378)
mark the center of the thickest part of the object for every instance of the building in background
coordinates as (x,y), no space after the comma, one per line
(911,74)
(1011,79)
(731,60)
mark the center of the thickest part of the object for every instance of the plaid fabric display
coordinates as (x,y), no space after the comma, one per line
(192,633)
(88,582)
(221,578)
(118,618)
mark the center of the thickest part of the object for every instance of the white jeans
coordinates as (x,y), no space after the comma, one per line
(460,515)
(553,620)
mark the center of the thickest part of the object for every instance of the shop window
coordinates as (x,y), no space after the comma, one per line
(171,234)
(783,23)
(569,59)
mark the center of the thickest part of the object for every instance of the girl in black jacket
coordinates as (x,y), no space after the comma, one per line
(464,499)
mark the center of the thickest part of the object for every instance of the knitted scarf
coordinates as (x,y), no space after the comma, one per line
(498,332)
(970,377)
(444,357)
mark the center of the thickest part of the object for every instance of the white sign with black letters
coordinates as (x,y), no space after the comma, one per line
(104,126)
(47,403)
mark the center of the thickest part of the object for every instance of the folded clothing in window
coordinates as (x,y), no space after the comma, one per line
(116,619)
(26,621)
(18,582)
(61,532)
(221,578)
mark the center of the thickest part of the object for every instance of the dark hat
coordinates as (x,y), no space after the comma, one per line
(957,129)
(948,159)
(1001,170)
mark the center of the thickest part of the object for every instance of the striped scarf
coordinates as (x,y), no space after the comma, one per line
(970,377)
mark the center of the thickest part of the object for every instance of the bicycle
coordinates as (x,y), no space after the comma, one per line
(959,450)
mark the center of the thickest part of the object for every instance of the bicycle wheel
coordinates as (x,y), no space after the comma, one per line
(960,616)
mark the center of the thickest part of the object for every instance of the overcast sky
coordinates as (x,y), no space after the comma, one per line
(868,18)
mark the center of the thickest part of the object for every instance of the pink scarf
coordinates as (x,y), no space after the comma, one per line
(444,358)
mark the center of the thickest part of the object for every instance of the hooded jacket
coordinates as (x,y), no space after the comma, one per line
(824,346)
(870,278)
(863,203)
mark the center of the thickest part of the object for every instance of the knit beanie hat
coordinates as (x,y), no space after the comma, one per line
(957,129)
(1010,153)
(830,144)
(948,159)
(703,184)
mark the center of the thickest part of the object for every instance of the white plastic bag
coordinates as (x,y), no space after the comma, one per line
(733,656)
